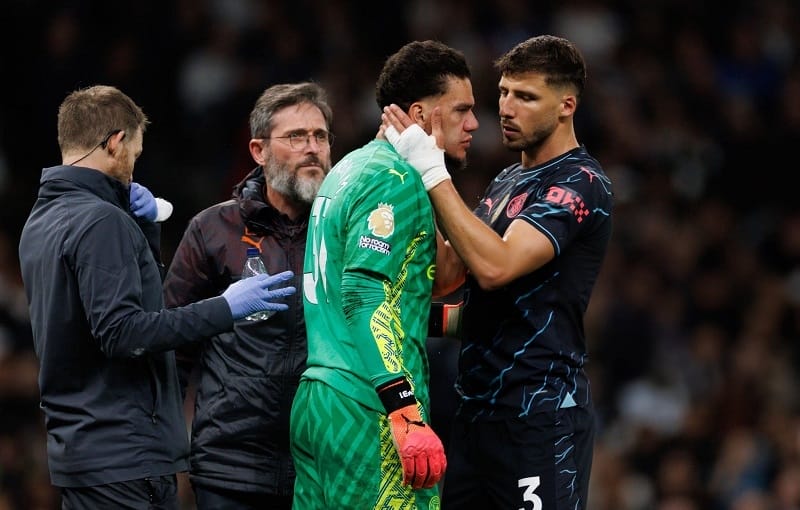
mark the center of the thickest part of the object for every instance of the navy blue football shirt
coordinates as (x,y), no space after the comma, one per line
(523,348)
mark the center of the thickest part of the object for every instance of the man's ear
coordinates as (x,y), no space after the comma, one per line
(417,114)
(255,146)
(113,140)
(568,105)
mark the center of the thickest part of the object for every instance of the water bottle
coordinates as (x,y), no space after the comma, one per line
(253,266)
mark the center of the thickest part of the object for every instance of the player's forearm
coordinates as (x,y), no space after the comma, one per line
(369,318)
(483,252)
(450,269)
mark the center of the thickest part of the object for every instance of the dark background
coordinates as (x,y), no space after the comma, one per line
(693,109)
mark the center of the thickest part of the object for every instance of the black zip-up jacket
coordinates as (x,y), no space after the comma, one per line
(247,378)
(108,380)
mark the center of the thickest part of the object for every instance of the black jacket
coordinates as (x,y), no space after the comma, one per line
(108,381)
(247,379)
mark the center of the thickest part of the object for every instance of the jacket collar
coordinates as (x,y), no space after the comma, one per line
(59,179)
(257,213)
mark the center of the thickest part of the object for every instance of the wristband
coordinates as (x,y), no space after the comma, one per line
(396,394)
(434,176)
(445,319)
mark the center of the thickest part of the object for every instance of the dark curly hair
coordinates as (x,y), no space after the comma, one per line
(418,70)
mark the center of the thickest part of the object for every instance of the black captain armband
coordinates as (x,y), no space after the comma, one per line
(396,394)
(445,319)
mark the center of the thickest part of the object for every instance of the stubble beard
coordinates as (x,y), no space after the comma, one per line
(532,142)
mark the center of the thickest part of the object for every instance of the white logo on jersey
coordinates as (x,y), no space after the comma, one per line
(375,245)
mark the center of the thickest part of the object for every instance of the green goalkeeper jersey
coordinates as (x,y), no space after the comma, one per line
(368,275)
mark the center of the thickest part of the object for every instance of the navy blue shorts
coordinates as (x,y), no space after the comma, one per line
(539,462)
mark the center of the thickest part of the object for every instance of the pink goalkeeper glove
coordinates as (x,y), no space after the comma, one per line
(420,449)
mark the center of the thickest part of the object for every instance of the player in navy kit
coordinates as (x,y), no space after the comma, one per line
(531,252)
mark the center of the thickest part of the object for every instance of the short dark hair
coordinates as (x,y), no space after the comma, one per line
(88,115)
(418,70)
(278,97)
(558,59)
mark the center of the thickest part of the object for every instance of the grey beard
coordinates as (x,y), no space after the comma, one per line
(279,178)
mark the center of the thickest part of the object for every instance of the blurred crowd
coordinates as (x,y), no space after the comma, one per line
(691,107)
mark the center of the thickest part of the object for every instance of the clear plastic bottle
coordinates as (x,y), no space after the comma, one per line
(253,266)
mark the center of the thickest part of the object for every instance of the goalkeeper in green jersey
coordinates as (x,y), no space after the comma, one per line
(361,436)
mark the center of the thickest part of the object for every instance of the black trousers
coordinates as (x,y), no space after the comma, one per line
(213,498)
(156,493)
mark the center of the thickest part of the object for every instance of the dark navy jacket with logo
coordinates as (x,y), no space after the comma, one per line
(108,380)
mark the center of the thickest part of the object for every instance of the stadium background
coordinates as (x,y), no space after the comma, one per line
(693,109)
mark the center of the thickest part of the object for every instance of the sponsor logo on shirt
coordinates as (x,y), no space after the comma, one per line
(375,244)
(570,199)
(381,221)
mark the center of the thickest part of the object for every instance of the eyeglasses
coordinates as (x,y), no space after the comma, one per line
(299,141)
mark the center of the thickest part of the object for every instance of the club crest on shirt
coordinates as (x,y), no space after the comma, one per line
(515,205)
(381,221)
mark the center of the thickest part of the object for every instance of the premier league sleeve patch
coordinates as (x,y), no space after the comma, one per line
(381,221)
(381,225)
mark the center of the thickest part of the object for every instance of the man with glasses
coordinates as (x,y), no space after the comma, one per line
(247,378)
(361,435)
(116,433)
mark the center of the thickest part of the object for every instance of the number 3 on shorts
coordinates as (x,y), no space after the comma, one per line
(530,483)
